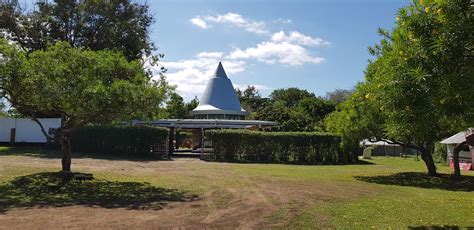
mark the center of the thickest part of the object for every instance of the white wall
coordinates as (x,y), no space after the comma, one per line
(463,155)
(27,131)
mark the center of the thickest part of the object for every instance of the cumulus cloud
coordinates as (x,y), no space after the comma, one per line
(213,55)
(277,52)
(298,38)
(282,21)
(257,27)
(197,21)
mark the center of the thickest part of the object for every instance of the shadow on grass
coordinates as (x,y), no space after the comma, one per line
(47,152)
(436,227)
(417,179)
(47,190)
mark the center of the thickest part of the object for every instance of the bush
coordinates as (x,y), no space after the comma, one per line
(440,153)
(283,147)
(118,140)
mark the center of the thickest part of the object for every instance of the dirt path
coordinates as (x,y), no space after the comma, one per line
(228,199)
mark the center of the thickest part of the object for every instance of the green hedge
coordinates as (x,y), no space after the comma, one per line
(284,147)
(118,140)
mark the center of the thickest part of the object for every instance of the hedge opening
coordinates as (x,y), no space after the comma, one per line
(282,147)
(119,140)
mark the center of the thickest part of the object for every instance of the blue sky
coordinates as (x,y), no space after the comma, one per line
(314,45)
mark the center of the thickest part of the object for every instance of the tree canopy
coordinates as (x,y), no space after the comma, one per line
(294,109)
(82,86)
(417,89)
(119,25)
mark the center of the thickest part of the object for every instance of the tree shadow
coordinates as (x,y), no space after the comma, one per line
(418,179)
(437,227)
(48,190)
(53,153)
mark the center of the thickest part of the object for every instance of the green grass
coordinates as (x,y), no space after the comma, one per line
(386,193)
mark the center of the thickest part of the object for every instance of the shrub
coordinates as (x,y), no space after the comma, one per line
(440,153)
(284,147)
(118,140)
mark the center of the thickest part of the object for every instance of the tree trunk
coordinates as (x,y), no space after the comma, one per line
(456,150)
(429,162)
(65,142)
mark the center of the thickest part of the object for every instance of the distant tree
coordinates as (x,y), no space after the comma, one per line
(295,110)
(317,108)
(192,104)
(251,100)
(82,86)
(290,96)
(176,108)
(118,25)
(339,95)
(415,89)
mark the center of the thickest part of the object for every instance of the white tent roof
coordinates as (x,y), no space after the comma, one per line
(455,139)
(219,97)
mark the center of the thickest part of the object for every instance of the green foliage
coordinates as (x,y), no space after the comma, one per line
(294,109)
(119,25)
(81,86)
(118,140)
(176,108)
(284,147)
(251,100)
(440,153)
(416,89)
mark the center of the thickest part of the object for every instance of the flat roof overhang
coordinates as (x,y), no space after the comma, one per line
(220,111)
(209,123)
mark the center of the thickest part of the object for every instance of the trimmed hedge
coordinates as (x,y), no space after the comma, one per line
(118,140)
(283,147)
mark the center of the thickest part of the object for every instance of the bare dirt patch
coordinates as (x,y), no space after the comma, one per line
(226,198)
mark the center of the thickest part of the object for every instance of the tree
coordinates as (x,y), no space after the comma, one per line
(290,96)
(192,104)
(339,95)
(82,86)
(251,100)
(414,88)
(118,25)
(294,109)
(176,108)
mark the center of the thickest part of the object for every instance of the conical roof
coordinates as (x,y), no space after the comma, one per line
(220,96)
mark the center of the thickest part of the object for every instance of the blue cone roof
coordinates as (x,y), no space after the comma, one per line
(219,97)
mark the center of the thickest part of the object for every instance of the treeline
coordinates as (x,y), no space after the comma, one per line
(294,109)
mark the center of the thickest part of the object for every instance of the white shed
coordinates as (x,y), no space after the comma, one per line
(465,156)
(26,130)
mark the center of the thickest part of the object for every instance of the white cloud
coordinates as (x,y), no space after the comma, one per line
(257,27)
(260,88)
(273,52)
(298,38)
(215,55)
(282,21)
(199,22)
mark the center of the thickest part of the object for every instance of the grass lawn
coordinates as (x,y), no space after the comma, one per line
(142,193)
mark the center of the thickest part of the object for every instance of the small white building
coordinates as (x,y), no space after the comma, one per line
(465,156)
(24,130)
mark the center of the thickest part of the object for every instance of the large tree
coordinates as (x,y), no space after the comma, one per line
(417,89)
(294,109)
(119,25)
(177,108)
(82,86)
